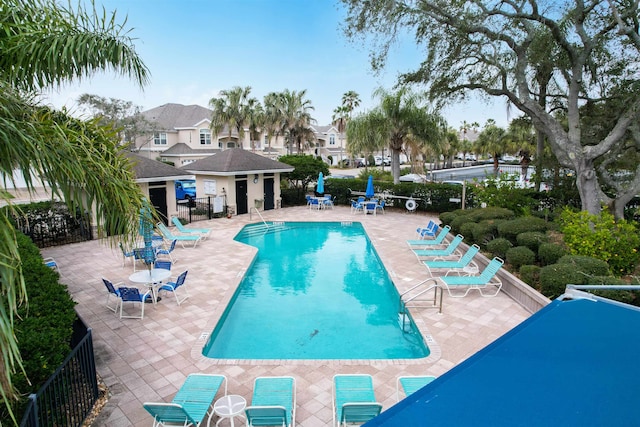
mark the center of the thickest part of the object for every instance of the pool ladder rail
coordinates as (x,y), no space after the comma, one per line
(414,296)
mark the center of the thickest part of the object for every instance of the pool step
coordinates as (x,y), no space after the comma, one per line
(260,229)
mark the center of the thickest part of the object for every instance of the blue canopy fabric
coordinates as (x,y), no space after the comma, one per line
(573,363)
(146,230)
(320,184)
(369,193)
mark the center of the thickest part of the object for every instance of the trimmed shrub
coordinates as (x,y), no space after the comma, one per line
(520,255)
(587,265)
(554,279)
(498,247)
(447,217)
(478,215)
(485,231)
(600,236)
(550,253)
(530,274)
(510,229)
(531,239)
(467,231)
(458,222)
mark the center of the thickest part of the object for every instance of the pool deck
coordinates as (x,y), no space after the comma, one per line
(148,360)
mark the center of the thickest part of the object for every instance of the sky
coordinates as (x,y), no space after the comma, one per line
(196,48)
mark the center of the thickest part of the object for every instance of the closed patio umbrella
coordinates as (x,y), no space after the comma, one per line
(146,231)
(369,193)
(320,189)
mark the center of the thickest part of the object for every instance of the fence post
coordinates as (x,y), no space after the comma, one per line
(209,214)
(34,410)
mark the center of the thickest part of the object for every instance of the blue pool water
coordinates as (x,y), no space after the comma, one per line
(314,291)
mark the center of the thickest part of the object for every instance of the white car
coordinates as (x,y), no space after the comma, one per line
(413,177)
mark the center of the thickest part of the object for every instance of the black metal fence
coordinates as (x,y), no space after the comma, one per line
(70,393)
(54,226)
(199,209)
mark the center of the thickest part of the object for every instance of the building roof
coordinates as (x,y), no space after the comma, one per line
(182,149)
(573,363)
(148,170)
(173,116)
(234,160)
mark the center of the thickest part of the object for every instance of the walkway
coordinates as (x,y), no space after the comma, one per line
(148,360)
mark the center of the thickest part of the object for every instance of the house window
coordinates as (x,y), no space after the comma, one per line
(231,144)
(159,138)
(332,139)
(205,137)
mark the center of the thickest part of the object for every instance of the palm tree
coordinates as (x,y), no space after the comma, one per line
(366,134)
(350,101)
(230,109)
(272,115)
(492,141)
(255,120)
(43,45)
(295,115)
(340,118)
(403,115)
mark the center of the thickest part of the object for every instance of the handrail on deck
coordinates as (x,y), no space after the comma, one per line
(434,286)
(258,212)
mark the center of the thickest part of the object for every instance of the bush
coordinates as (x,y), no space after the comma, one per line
(485,231)
(600,236)
(44,327)
(520,255)
(498,247)
(550,253)
(466,230)
(510,229)
(531,239)
(554,279)
(587,265)
(530,274)
(448,217)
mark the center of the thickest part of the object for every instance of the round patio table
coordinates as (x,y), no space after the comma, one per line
(229,407)
(150,278)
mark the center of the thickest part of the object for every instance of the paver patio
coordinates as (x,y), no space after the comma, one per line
(147,360)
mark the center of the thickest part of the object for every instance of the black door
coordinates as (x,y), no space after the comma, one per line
(241,197)
(268,194)
(158,198)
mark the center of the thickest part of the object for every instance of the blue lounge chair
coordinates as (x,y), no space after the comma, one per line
(167,234)
(429,231)
(203,232)
(459,264)
(451,249)
(481,282)
(273,402)
(354,400)
(410,384)
(438,240)
(191,404)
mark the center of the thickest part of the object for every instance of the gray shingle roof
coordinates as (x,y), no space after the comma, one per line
(172,116)
(148,170)
(228,162)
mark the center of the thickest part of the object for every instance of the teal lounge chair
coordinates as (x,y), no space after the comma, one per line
(459,264)
(354,400)
(192,403)
(167,234)
(481,282)
(273,402)
(451,249)
(439,239)
(410,384)
(203,232)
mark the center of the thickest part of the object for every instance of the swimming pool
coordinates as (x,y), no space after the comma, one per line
(314,291)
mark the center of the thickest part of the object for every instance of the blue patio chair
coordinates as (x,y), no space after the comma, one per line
(464,261)
(191,404)
(410,384)
(327,202)
(380,206)
(486,279)
(134,255)
(438,240)
(167,234)
(429,231)
(273,402)
(133,296)
(356,206)
(112,293)
(51,263)
(451,249)
(167,252)
(203,232)
(315,204)
(354,400)
(175,286)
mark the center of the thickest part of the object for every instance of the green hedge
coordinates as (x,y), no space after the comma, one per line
(520,255)
(510,229)
(44,327)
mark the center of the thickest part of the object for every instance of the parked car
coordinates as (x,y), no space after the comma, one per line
(186,189)
(360,162)
(386,161)
(413,177)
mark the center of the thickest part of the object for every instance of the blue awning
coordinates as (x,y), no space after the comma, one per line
(574,363)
